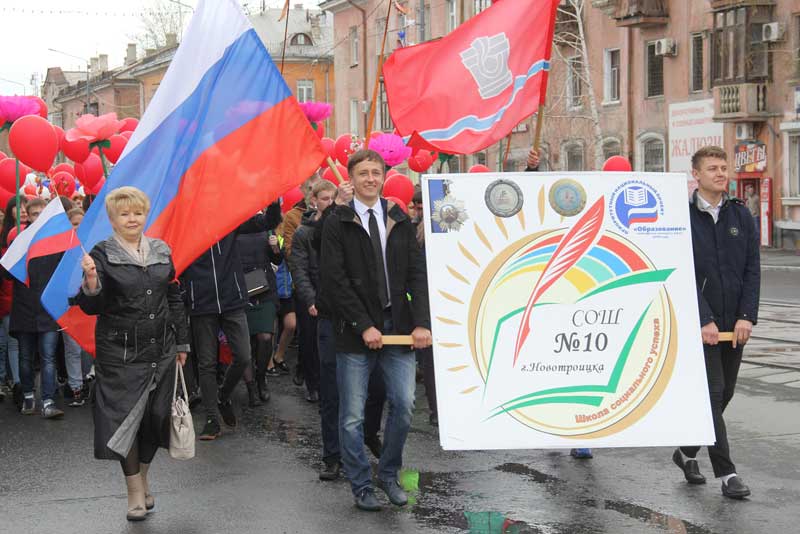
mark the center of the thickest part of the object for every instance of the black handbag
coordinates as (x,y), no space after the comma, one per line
(256,282)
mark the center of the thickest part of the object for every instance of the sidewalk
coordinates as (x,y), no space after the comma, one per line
(779,260)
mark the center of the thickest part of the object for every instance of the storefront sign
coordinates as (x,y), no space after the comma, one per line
(750,157)
(691,127)
(564,311)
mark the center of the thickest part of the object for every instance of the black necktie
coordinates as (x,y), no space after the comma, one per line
(377,249)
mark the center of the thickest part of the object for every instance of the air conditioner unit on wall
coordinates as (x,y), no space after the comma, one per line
(772,32)
(744,131)
(666,47)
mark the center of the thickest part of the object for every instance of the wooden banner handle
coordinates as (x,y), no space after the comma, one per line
(397,340)
(726,336)
(334,169)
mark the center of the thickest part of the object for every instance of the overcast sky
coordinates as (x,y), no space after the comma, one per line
(83,28)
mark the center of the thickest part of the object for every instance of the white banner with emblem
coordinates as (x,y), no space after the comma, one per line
(564,311)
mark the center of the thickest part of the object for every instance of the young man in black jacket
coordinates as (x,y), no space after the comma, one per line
(728,275)
(376,284)
(216,297)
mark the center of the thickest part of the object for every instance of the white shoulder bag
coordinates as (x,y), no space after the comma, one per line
(181,432)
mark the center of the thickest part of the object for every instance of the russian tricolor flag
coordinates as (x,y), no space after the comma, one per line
(222,138)
(50,234)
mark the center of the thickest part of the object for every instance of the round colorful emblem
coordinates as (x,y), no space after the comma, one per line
(567,197)
(504,198)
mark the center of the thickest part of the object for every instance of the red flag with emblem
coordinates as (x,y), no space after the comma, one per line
(469,89)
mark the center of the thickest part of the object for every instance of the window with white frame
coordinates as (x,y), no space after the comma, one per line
(427,33)
(480,5)
(302,39)
(696,76)
(354,45)
(794,165)
(480,158)
(573,157)
(452,15)
(651,150)
(654,69)
(611,76)
(355,116)
(386,118)
(305,90)
(574,82)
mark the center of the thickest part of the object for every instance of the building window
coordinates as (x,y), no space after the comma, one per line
(426,30)
(611,76)
(655,72)
(738,52)
(696,82)
(611,148)
(574,82)
(386,118)
(797,46)
(653,155)
(794,165)
(355,117)
(480,158)
(305,90)
(480,5)
(573,157)
(301,39)
(452,15)
(354,46)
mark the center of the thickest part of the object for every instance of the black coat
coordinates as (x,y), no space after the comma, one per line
(27,313)
(304,261)
(348,282)
(726,264)
(214,282)
(140,326)
(256,254)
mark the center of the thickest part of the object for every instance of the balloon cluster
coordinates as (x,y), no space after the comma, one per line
(35,144)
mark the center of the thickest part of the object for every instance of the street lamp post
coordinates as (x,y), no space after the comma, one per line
(24,92)
(88,68)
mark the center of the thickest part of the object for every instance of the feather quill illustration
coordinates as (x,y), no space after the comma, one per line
(571,249)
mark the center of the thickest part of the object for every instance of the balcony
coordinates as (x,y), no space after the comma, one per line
(609,7)
(641,13)
(745,102)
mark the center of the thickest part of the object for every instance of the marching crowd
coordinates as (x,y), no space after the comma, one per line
(336,271)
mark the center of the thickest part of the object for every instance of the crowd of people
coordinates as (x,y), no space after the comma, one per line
(337,271)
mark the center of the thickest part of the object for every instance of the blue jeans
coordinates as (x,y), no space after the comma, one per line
(47,343)
(73,362)
(9,353)
(398,367)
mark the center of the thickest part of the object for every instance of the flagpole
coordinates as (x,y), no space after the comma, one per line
(537,137)
(285,35)
(377,77)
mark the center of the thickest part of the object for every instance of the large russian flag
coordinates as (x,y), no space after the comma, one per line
(222,138)
(50,234)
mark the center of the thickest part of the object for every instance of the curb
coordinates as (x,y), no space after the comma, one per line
(784,268)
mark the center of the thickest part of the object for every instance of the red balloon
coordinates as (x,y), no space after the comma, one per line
(129,124)
(390,173)
(420,162)
(617,164)
(328,174)
(34,142)
(3,155)
(59,132)
(90,171)
(42,106)
(77,150)
(320,129)
(63,183)
(290,198)
(63,167)
(330,147)
(127,134)
(399,186)
(344,148)
(30,189)
(8,177)
(403,205)
(97,187)
(5,196)
(479,168)
(12,234)
(113,152)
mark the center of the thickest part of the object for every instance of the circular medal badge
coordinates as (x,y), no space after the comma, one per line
(504,198)
(567,197)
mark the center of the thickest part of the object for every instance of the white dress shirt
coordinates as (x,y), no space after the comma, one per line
(704,205)
(363,213)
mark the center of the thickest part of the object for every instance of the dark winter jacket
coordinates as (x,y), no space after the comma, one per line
(304,261)
(348,283)
(140,326)
(27,312)
(256,254)
(214,282)
(726,264)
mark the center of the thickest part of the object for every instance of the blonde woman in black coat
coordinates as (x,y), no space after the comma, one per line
(129,283)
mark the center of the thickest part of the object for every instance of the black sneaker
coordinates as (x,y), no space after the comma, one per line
(272,372)
(331,470)
(211,430)
(282,368)
(366,500)
(28,406)
(226,410)
(77,398)
(312,396)
(735,488)
(263,389)
(51,411)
